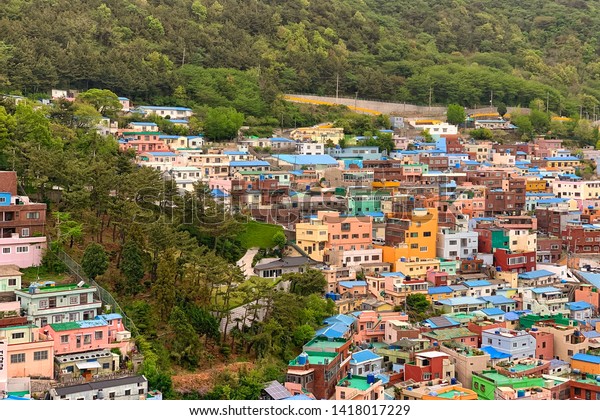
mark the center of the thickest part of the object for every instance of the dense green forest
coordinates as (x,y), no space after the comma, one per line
(151,50)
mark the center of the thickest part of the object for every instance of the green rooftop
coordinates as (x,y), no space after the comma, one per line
(451,394)
(65,326)
(502,380)
(57,288)
(357,382)
(315,358)
(449,333)
(530,320)
(321,343)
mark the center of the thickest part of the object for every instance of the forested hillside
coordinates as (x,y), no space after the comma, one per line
(389,49)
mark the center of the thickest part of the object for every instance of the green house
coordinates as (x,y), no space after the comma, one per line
(486,382)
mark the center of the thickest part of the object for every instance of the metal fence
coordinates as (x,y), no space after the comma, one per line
(103,294)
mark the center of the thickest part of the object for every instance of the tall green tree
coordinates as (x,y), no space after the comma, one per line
(94,261)
(455,114)
(132,266)
(222,123)
(164,287)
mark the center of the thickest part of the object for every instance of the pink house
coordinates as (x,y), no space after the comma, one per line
(371,325)
(22,252)
(105,331)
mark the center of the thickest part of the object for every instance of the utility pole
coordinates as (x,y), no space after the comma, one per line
(337,88)
(491,99)
(355,100)
(547,101)
(430,94)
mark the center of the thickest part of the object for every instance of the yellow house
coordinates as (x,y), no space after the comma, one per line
(420,235)
(318,134)
(439,293)
(312,238)
(535,185)
(587,363)
(417,268)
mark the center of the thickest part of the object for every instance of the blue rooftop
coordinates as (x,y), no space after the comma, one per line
(109,317)
(341,318)
(234,153)
(440,289)
(143,123)
(178,121)
(471,162)
(299,397)
(535,274)
(363,356)
(351,284)
(248,163)
(166,108)
(561,159)
(281,140)
(392,274)
(308,159)
(217,193)
(497,300)
(592,278)
(515,315)
(578,306)
(548,289)
(161,153)
(493,311)
(168,136)
(337,330)
(495,354)
(467,300)
(441,322)
(476,283)
(589,358)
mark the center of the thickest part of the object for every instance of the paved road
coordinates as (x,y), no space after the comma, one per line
(245,263)
(379,107)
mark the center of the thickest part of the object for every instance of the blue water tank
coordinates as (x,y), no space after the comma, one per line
(371,378)
(302,359)
(410,388)
(576,333)
(563,281)
(534,329)
(350,375)
(498,269)
(435,344)
(512,370)
(576,371)
(598,378)
(402,259)
(307,187)
(453,381)
(520,393)
(457,165)
(591,207)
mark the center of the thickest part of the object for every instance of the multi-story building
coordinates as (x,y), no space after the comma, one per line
(125,388)
(22,225)
(545,300)
(568,340)
(364,362)
(519,262)
(170,112)
(549,249)
(429,365)
(10,278)
(466,360)
(452,244)
(517,344)
(359,388)
(54,304)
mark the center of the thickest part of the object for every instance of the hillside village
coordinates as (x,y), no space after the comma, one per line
(459,269)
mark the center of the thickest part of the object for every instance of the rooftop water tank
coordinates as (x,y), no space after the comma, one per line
(303,358)
(576,371)
(371,378)
(410,388)
(350,375)
(433,394)
(534,329)
(520,393)
(598,378)
(453,381)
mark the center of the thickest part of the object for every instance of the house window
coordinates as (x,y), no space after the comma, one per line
(73,300)
(6,250)
(22,249)
(40,355)
(111,396)
(17,358)
(25,232)
(12,282)
(33,215)
(83,298)
(87,339)
(64,339)
(16,336)
(78,341)
(141,391)
(128,392)
(98,335)
(105,366)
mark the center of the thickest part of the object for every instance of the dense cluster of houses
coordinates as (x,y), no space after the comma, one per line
(55,339)
(500,239)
